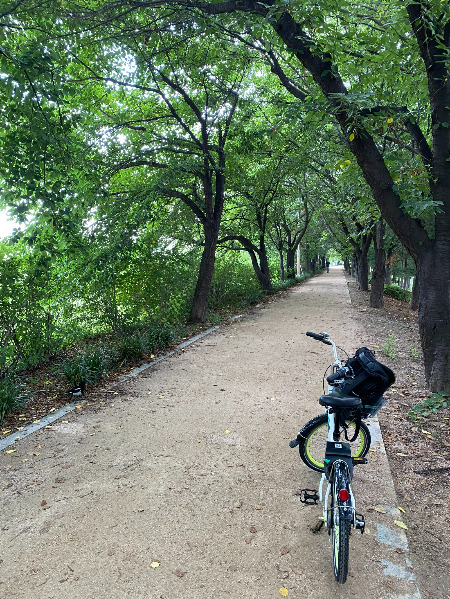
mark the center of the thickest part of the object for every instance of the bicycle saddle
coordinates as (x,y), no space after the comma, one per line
(340,401)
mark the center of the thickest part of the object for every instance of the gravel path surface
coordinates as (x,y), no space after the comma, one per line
(185,486)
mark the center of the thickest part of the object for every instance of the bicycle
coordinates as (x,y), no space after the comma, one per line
(360,379)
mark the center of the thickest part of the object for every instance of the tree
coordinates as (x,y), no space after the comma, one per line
(170,112)
(305,32)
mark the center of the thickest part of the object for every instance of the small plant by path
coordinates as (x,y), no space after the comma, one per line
(390,347)
(429,406)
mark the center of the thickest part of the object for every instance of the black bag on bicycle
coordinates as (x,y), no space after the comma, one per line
(370,380)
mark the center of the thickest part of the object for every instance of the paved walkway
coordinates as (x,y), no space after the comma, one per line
(184,486)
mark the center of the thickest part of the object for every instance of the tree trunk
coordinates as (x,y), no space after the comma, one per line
(290,263)
(378,274)
(347,265)
(434,310)
(199,304)
(280,253)
(363,271)
(415,294)
(263,272)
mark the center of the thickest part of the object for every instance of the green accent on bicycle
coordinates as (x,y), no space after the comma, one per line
(316,441)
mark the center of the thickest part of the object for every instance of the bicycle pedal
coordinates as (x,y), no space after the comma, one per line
(360,523)
(309,496)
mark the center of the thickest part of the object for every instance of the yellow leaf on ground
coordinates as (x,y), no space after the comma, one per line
(284,592)
(6,432)
(401,524)
(401,509)
(10,451)
(404,455)
(426,432)
(154,565)
(227,431)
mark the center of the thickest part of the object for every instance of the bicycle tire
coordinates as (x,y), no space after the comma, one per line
(314,437)
(340,529)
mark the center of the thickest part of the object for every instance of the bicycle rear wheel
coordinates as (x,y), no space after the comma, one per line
(340,528)
(314,438)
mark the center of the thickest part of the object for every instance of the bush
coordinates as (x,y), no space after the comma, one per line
(159,336)
(131,347)
(11,395)
(397,293)
(89,366)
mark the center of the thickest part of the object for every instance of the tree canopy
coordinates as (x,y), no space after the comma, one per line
(144,141)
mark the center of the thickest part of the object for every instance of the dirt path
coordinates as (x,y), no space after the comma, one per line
(185,487)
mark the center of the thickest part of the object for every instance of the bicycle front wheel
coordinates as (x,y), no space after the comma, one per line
(314,439)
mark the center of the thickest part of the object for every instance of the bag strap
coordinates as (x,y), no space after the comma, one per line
(357,422)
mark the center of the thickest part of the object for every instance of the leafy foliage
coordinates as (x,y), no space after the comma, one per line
(397,293)
(12,394)
(429,406)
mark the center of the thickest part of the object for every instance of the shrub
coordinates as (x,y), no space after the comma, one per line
(397,293)
(11,395)
(89,366)
(132,347)
(159,336)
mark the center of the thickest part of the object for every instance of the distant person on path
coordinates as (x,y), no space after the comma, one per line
(328,266)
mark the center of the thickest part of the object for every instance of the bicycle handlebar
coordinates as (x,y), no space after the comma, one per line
(319,337)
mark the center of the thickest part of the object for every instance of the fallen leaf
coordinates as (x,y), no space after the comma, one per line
(154,565)
(43,502)
(6,432)
(401,509)
(253,529)
(10,451)
(404,455)
(259,507)
(179,573)
(380,510)
(227,431)
(426,432)
(400,524)
(284,550)
(284,592)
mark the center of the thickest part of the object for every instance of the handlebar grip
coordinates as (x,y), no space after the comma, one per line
(318,337)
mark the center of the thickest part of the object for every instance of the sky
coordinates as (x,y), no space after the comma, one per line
(6,226)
